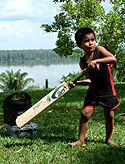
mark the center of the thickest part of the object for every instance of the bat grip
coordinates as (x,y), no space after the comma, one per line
(86,70)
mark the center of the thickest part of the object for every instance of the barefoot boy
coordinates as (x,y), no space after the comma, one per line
(101,90)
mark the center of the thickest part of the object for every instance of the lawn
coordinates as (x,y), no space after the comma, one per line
(58,125)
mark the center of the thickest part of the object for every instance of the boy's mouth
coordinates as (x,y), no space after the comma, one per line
(91,47)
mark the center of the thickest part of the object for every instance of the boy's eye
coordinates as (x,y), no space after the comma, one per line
(86,41)
(93,39)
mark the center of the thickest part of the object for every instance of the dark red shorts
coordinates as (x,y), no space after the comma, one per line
(107,102)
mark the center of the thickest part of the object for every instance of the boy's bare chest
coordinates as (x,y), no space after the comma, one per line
(89,57)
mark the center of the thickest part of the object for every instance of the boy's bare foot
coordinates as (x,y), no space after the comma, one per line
(109,142)
(77,143)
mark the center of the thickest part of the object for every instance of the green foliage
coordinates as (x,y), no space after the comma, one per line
(112,28)
(64,44)
(121,75)
(7,80)
(74,14)
(121,66)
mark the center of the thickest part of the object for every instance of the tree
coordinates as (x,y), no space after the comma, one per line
(7,79)
(74,14)
(112,36)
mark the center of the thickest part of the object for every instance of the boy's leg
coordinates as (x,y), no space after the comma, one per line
(85,115)
(109,116)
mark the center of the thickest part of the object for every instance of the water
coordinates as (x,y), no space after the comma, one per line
(40,73)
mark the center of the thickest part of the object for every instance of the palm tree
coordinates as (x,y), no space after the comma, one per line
(7,80)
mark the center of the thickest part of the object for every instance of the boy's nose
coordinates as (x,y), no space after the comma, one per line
(90,42)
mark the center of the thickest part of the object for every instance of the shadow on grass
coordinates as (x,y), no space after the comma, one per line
(14,144)
(101,154)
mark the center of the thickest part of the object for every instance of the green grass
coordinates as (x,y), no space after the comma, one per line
(59,125)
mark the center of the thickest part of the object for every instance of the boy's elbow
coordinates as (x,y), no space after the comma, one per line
(114,60)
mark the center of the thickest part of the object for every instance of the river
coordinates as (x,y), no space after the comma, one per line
(52,72)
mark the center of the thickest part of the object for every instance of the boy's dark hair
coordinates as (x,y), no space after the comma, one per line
(81,33)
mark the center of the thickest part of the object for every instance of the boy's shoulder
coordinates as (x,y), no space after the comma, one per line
(100,48)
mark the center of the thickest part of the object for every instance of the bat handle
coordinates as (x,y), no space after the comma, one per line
(86,70)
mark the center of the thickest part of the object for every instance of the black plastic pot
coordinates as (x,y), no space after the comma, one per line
(14,105)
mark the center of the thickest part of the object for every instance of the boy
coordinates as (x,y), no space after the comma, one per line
(101,89)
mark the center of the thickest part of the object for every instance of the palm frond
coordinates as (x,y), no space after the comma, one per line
(7,79)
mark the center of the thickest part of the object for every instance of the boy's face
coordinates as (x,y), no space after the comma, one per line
(88,43)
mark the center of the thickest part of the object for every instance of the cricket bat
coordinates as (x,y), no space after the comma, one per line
(46,101)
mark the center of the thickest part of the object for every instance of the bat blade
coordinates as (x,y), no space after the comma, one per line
(41,105)
(46,101)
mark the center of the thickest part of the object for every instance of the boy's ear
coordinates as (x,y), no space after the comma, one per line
(79,45)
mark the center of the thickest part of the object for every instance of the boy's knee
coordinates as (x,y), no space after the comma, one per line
(109,115)
(85,114)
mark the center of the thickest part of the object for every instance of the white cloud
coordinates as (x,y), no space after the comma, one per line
(20,23)
(5,29)
(26,9)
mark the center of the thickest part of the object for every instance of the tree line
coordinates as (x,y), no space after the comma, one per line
(14,55)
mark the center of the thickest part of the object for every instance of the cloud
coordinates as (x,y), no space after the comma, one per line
(25,35)
(20,23)
(13,10)
(5,29)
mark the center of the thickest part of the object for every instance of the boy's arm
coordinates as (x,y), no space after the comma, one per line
(107,57)
(82,82)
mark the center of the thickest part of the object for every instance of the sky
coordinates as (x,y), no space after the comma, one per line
(20,22)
